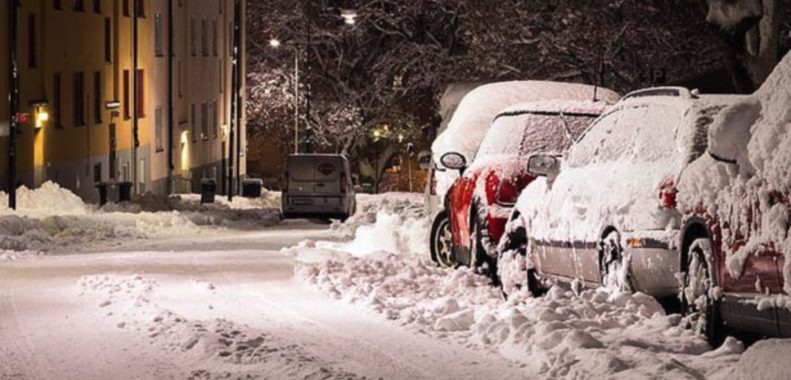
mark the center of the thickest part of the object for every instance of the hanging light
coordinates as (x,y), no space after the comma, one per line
(349,16)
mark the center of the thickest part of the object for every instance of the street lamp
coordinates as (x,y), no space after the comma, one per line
(275,44)
(349,16)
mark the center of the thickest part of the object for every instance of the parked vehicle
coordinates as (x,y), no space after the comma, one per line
(736,200)
(480,200)
(319,186)
(471,119)
(608,214)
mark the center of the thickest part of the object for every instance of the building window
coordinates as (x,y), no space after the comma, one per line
(158,130)
(140,96)
(214,36)
(158,35)
(204,37)
(57,4)
(193,45)
(97,6)
(108,40)
(32,53)
(204,110)
(79,99)
(79,5)
(125,8)
(214,122)
(97,97)
(194,118)
(127,104)
(141,8)
(56,101)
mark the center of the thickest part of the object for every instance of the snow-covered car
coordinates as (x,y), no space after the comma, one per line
(736,242)
(606,213)
(480,200)
(467,127)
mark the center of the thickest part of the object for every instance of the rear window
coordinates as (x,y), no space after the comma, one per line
(528,133)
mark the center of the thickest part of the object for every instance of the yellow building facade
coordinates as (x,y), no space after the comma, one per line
(76,66)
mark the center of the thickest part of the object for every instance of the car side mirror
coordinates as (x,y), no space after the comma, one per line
(424,160)
(543,165)
(454,161)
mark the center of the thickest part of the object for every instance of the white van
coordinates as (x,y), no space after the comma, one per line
(319,186)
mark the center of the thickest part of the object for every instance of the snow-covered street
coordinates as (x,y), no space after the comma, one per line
(204,314)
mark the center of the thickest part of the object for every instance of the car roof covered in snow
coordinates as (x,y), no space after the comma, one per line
(556,106)
(476,111)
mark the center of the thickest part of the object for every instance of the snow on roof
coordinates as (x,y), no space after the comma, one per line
(576,106)
(475,112)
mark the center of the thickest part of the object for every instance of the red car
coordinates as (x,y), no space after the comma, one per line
(736,237)
(480,200)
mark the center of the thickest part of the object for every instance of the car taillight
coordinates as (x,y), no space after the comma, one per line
(343,183)
(507,193)
(433,183)
(667,194)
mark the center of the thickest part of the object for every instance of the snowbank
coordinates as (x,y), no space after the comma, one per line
(592,334)
(51,218)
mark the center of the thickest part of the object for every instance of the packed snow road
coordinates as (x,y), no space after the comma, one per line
(202,313)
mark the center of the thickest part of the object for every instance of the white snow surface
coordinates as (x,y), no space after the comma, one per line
(475,113)
(565,334)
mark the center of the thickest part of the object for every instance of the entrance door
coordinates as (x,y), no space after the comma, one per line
(113,158)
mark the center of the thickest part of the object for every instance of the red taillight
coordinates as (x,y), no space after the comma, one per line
(667,194)
(343,183)
(507,193)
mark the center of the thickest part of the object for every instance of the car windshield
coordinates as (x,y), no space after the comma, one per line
(527,133)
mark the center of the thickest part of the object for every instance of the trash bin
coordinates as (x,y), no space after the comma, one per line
(251,188)
(102,187)
(124,191)
(208,189)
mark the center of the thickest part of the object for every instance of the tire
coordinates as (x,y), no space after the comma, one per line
(701,311)
(613,267)
(480,260)
(440,241)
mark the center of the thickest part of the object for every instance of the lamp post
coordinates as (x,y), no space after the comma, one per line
(13,102)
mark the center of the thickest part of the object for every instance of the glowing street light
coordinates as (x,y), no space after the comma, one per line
(349,16)
(275,43)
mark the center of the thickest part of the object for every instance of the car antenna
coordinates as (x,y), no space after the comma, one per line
(595,92)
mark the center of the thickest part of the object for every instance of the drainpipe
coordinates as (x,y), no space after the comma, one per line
(170,98)
(135,90)
(238,93)
(234,100)
(13,102)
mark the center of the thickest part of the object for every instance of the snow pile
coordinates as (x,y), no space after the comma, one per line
(590,334)
(475,113)
(51,218)
(268,199)
(49,199)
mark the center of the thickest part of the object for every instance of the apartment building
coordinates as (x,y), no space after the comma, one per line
(86,124)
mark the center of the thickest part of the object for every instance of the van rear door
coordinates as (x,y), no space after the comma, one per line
(300,174)
(327,175)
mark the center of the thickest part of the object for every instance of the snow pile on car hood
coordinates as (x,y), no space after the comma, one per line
(591,334)
(475,113)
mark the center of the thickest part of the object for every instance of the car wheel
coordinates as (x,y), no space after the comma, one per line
(441,241)
(511,259)
(613,267)
(697,294)
(480,260)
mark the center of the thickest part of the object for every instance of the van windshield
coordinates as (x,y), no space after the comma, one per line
(528,133)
